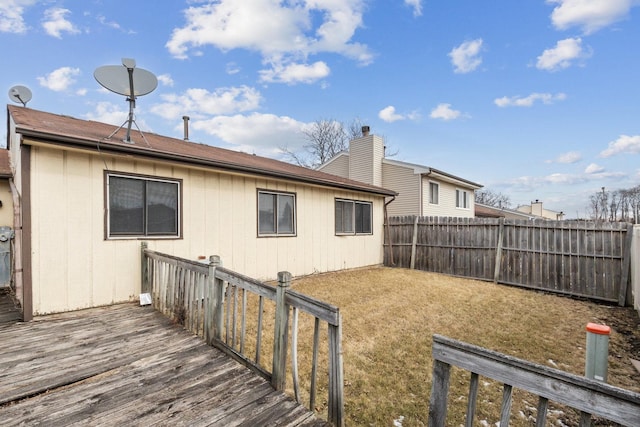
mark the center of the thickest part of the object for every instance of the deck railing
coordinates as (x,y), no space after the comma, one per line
(228,309)
(590,397)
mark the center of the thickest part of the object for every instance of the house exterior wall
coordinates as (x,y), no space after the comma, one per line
(365,159)
(6,210)
(337,166)
(407,184)
(447,200)
(74,266)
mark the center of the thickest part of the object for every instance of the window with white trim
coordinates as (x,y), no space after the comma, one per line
(276,213)
(353,217)
(142,206)
(462,199)
(434,193)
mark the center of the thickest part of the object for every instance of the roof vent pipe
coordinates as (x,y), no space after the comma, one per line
(185,119)
(365,130)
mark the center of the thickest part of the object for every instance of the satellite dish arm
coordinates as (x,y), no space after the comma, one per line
(132,103)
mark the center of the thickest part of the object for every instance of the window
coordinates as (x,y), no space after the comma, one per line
(434,189)
(142,206)
(462,199)
(353,217)
(276,213)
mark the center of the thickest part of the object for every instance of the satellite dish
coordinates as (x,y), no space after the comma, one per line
(20,94)
(128,81)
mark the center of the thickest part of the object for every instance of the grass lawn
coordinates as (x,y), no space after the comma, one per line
(390,315)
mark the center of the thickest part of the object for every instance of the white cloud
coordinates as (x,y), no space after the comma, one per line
(11,11)
(165,79)
(416,5)
(624,144)
(232,68)
(445,112)
(528,101)
(295,73)
(117,115)
(60,79)
(261,134)
(590,15)
(55,22)
(562,55)
(466,57)
(275,29)
(569,157)
(593,168)
(202,103)
(389,115)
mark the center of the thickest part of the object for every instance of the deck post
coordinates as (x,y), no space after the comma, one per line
(439,394)
(216,302)
(336,375)
(279,372)
(145,287)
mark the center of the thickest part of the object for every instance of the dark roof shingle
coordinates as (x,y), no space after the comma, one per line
(65,130)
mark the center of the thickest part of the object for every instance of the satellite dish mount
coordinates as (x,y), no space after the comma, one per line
(130,82)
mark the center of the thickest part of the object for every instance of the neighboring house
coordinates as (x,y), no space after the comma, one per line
(422,190)
(536,209)
(487,211)
(88,201)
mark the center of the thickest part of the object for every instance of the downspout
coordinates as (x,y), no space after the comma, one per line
(386,221)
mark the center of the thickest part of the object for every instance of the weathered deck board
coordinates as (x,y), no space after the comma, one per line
(129,365)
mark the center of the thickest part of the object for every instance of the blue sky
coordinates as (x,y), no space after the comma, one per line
(533,99)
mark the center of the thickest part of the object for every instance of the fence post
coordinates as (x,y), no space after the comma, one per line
(496,271)
(215,309)
(144,279)
(626,266)
(414,243)
(279,371)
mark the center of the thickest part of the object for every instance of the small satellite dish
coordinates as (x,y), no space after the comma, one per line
(20,94)
(128,81)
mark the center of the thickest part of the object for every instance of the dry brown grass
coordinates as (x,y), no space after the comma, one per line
(390,315)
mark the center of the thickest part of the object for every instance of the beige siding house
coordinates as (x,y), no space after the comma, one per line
(88,201)
(422,190)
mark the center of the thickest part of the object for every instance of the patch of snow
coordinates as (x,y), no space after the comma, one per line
(398,422)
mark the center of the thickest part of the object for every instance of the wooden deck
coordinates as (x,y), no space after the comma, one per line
(129,365)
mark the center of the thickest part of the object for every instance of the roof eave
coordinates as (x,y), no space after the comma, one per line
(162,155)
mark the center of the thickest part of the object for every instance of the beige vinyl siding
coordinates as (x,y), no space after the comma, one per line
(74,266)
(447,200)
(6,210)
(406,183)
(339,166)
(365,159)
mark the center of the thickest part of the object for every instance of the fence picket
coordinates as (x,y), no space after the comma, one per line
(585,259)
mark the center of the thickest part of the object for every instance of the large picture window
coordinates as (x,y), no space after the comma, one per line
(276,213)
(353,217)
(142,206)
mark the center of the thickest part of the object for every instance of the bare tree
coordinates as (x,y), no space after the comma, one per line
(599,205)
(491,198)
(325,138)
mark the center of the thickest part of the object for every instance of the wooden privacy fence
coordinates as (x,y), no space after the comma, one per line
(590,397)
(583,259)
(223,306)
